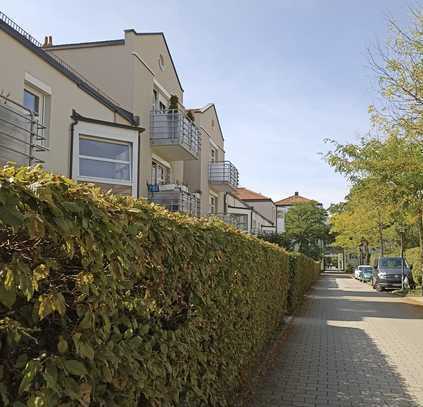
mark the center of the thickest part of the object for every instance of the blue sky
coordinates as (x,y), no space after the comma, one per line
(284,74)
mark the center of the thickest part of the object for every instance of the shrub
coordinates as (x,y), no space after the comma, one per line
(303,272)
(110,301)
(413,257)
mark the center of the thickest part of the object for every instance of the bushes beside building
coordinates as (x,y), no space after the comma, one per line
(413,257)
(303,272)
(106,300)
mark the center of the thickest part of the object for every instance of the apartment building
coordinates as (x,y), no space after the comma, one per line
(50,113)
(264,208)
(245,217)
(283,206)
(135,80)
(139,72)
(212,174)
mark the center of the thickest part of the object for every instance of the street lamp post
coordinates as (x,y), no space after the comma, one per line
(401,231)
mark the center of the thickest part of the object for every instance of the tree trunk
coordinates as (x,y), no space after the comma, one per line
(380,227)
(420,228)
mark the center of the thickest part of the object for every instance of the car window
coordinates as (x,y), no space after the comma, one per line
(390,262)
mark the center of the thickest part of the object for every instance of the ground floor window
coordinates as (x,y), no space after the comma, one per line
(106,158)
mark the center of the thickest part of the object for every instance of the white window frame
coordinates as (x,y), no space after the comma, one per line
(109,134)
(154,180)
(213,154)
(43,92)
(212,203)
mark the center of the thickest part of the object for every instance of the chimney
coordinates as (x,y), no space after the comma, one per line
(296,194)
(50,41)
(45,45)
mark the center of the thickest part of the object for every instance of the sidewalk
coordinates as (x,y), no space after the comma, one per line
(348,346)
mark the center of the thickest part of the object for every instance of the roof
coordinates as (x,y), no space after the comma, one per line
(30,43)
(78,117)
(247,195)
(204,109)
(167,48)
(106,43)
(293,200)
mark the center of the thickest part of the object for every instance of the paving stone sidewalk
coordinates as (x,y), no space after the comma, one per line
(348,346)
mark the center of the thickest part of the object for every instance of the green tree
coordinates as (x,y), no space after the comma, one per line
(307,228)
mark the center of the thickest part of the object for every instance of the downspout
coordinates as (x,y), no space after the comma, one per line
(74,122)
(139,163)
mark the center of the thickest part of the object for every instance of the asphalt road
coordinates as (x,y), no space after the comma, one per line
(348,346)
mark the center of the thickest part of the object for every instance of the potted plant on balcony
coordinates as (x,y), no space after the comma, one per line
(190,115)
(172,116)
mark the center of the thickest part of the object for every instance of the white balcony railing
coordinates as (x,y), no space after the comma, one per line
(175,198)
(223,173)
(21,134)
(240,221)
(173,129)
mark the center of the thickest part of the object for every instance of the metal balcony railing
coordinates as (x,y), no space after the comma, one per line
(174,128)
(5,19)
(175,199)
(21,134)
(240,221)
(223,172)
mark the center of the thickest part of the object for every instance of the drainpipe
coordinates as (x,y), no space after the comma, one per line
(72,127)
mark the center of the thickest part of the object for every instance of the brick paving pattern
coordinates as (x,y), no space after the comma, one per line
(348,346)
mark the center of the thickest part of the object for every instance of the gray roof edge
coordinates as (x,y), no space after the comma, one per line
(86,87)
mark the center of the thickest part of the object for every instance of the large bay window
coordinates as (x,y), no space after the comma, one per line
(106,155)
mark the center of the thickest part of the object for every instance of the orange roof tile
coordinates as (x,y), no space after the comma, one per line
(247,195)
(293,200)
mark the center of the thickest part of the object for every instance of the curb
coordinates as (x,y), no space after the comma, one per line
(413,301)
(265,362)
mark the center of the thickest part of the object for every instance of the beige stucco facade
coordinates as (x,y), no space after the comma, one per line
(24,70)
(196,173)
(240,211)
(129,70)
(120,92)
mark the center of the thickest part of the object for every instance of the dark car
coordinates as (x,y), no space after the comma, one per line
(387,273)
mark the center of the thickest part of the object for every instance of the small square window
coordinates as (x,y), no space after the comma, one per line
(31,101)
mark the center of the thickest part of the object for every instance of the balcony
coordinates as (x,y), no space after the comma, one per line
(240,221)
(223,176)
(174,137)
(21,134)
(175,198)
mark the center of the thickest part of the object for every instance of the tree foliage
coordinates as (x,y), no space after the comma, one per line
(389,161)
(110,301)
(306,228)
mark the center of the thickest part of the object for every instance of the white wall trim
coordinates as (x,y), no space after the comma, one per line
(161,88)
(43,87)
(103,131)
(211,140)
(160,160)
(137,56)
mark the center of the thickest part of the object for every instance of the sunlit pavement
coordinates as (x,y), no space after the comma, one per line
(348,346)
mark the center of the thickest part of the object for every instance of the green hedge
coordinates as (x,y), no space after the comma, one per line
(303,272)
(413,257)
(110,301)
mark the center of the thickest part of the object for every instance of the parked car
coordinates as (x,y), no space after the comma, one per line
(387,273)
(366,273)
(359,271)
